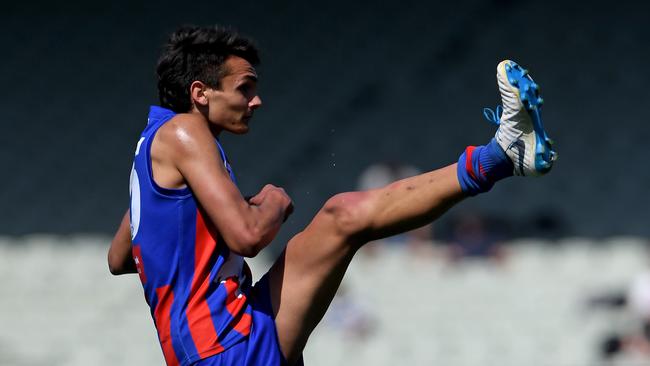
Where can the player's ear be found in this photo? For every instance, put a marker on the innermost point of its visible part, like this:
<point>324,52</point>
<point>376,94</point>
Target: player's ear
<point>197,92</point>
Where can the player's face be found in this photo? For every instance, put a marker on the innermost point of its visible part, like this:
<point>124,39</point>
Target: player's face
<point>231,107</point>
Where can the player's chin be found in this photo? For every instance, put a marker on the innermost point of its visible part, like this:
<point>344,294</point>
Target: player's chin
<point>241,129</point>
<point>244,124</point>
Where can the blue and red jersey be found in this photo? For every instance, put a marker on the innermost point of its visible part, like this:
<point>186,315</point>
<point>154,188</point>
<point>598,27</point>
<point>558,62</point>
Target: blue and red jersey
<point>195,286</point>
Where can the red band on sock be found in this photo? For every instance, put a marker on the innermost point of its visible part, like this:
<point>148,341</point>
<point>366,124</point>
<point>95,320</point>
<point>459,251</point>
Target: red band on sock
<point>468,161</point>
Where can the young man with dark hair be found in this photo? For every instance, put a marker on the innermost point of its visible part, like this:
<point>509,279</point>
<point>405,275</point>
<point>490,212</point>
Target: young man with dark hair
<point>188,225</point>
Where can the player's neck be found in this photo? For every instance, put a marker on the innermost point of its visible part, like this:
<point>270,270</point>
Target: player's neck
<point>215,129</point>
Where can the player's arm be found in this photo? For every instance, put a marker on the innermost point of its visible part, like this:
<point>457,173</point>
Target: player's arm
<point>246,226</point>
<point>120,260</point>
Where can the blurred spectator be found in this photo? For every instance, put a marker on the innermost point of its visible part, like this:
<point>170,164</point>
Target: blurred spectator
<point>638,295</point>
<point>471,239</point>
<point>631,343</point>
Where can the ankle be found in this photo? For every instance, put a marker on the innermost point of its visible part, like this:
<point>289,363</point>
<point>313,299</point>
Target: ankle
<point>479,167</point>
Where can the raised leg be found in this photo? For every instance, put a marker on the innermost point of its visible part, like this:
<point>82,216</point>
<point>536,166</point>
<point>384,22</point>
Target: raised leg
<point>307,275</point>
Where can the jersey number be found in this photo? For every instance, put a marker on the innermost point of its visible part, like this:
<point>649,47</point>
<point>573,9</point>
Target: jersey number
<point>134,191</point>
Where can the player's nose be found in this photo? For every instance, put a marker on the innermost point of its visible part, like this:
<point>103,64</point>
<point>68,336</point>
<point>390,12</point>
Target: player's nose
<point>255,103</point>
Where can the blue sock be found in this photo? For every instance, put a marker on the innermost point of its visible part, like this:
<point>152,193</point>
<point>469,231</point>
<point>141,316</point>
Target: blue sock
<point>479,167</point>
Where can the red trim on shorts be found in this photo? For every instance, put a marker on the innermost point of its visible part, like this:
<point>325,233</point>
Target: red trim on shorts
<point>163,323</point>
<point>243,325</point>
<point>235,304</point>
<point>199,316</point>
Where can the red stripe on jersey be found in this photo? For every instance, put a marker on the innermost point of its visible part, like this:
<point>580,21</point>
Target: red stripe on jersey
<point>235,305</point>
<point>137,258</point>
<point>199,316</point>
<point>163,323</point>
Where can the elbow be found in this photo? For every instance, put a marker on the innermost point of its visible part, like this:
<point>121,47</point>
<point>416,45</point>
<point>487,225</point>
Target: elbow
<point>115,270</point>
<point>115,266</point>
<point>112,266</point>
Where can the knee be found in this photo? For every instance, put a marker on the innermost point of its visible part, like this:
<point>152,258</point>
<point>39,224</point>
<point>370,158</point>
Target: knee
<point>349,213</point>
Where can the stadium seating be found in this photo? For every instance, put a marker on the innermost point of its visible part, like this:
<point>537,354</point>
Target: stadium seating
<point>61,307</point>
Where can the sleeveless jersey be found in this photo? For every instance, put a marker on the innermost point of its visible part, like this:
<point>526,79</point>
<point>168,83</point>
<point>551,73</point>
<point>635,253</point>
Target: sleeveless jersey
<point>195,286</point>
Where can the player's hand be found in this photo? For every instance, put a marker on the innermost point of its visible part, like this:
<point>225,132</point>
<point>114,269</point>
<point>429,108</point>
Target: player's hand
<point>288,211</point>
<point>274,195</point>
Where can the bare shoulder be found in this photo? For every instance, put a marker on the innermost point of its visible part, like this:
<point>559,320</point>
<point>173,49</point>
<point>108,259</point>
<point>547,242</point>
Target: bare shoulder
<point>185,134</point>
<point>183,146</point>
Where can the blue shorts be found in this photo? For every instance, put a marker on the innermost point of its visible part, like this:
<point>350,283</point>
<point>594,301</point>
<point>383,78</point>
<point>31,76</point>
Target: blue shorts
<point>261,348</point>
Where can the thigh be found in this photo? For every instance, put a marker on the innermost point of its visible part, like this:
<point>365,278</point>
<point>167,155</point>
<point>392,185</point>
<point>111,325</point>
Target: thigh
<point>304,280</point>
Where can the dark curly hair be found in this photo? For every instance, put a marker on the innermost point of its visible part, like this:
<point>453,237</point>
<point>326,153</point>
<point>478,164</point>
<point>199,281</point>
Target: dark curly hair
<point>197,53</point>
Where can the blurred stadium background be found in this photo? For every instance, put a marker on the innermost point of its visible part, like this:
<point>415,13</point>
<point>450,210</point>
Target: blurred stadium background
<point>346,85</point>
